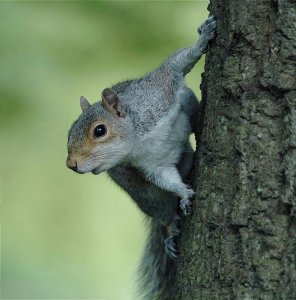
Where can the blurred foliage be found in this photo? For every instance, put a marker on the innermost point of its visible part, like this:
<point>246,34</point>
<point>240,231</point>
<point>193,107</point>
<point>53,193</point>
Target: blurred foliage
<point>65,235</point>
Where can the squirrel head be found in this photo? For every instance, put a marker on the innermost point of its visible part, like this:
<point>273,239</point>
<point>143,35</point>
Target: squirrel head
<point>101,137</point>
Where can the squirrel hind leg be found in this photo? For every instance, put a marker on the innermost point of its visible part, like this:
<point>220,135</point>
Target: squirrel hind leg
<point>169,243</point>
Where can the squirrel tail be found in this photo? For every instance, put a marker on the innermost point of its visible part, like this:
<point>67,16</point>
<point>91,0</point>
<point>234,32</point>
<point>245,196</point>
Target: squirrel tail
<point>157,269</point>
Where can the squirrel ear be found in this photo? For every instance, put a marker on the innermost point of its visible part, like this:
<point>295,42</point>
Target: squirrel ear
<point>111,102</point>
<point>84,104</point>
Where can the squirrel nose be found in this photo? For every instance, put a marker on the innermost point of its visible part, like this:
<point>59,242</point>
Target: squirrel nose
<point>72,164</point>
<point>74,168</point>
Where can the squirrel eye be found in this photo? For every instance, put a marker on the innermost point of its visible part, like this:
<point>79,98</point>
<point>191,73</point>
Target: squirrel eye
<point>100,130</point>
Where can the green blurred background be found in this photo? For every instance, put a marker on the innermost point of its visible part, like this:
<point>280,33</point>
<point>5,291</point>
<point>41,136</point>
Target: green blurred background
<point>64,235</point>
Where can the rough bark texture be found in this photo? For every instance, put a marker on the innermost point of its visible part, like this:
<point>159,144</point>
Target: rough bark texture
<point>240,242</point>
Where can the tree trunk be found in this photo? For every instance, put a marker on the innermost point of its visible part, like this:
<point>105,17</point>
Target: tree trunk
<point>240,242</point>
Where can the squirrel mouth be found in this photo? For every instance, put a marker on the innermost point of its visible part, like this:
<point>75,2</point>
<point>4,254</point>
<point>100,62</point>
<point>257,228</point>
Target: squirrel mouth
<point>97,170</point>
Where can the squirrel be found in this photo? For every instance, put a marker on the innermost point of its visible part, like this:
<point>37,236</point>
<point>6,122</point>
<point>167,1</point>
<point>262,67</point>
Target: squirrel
<point>139,133</point>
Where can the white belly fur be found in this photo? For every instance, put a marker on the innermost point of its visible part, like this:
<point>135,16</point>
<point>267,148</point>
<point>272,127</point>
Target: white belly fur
<point>163,145</point>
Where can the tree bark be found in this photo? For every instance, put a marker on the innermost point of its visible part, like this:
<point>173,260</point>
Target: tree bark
<point>240,242</point>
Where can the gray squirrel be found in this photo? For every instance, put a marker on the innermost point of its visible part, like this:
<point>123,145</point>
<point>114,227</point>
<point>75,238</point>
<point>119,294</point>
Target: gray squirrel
<point>139,134</point>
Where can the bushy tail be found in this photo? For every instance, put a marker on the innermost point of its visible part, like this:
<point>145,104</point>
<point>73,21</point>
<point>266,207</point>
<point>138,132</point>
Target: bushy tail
<point>156,270</point>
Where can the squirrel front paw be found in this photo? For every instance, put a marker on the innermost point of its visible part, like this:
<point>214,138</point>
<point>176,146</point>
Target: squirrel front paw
<point>185,203</point>
<point>186,206</point>
<point>208,28</point>
<point>207,32</point>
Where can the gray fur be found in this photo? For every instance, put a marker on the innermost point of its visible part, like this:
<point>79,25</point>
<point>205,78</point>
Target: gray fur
<point>149,155</point>
<point>156,270</point>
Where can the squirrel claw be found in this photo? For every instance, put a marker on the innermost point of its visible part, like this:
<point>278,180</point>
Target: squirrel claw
<point>170,248</point>
<point>185,205</point>
<point>209,27</point>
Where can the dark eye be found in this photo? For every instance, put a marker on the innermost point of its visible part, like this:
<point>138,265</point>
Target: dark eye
<point>100,130</point>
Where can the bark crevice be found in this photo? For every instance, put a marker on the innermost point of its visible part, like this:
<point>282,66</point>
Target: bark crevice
<point>240,242</point>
